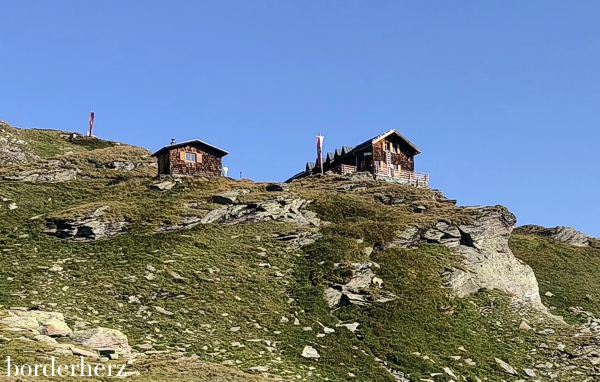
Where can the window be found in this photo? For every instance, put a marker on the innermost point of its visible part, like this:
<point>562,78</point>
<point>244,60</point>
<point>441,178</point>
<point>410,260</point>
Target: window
<point>396,167</point>
<point>377,163</point>
<point>190,157</point>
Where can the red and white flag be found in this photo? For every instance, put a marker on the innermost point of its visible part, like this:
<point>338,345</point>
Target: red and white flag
<point>91,123</point>
<point>320,151</point>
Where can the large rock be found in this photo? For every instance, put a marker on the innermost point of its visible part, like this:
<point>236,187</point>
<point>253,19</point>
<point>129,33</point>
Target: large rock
<point>21,322</point>
<point>163,186</point>
<point>47,323</point>
<point>89,227</point>
<point>310,352</point>
<point>488,261</point>
<point>51,323</point>
<point>564,234</point>
<point>278,209</point>
<point>102,338</point>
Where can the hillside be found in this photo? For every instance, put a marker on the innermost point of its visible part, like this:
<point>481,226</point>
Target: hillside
<point>327,278</point>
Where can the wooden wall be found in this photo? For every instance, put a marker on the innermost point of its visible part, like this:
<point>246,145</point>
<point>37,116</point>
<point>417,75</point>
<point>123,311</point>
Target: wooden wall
<point>207,162</point>
<point>404,158</point>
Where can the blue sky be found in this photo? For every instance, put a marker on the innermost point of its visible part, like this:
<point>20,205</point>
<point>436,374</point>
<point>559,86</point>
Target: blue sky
<point>502,97</point>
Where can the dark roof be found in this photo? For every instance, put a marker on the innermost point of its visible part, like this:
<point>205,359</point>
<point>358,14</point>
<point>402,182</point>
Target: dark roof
<point>185,143</point>
<point>349,149</point>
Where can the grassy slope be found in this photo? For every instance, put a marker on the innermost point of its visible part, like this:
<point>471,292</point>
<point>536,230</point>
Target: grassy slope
<point>223,287</point>
<point>570,273</point>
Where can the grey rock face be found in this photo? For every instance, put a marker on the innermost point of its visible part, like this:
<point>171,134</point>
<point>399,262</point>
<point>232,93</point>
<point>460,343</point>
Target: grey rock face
<point>278,209</point>
<point>487,258</point>
<point>122,166</point>
<point>571,236</point>
<point>86,228</point>
<point>563,234</point>
<point>13,149</point>
<point>299,238</point>
<point>45,175</point>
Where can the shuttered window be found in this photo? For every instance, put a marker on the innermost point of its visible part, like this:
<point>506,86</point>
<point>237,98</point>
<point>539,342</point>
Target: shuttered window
<point>190,157</point>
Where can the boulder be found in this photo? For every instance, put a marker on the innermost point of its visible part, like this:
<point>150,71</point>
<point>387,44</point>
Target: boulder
<point>310,352</point>
<point>101,338</point>
<point>51,323</point>
<point>21,322</point>
<point>506,367</point>
<point>163,186</point>
<point>277,187</point>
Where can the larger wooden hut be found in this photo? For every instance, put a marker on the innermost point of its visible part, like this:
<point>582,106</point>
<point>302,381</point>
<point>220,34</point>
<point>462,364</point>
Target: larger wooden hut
<point>389,156</point>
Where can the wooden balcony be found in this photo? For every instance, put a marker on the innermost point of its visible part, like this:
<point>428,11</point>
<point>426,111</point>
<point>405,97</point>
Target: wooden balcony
<point>399,176</point>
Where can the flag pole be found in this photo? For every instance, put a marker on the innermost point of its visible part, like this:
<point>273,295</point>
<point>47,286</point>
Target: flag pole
<point>320,151</point>
<point>91,123</point>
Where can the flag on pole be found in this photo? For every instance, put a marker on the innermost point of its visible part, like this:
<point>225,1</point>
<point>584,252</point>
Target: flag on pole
<point>320,152</point>
<point>91,123</point>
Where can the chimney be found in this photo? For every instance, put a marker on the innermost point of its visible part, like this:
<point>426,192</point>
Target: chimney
<point>172,141</point>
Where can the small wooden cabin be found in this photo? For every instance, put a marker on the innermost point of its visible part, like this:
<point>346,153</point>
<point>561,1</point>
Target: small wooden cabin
<point>193,157</point>
<point>387,156</point>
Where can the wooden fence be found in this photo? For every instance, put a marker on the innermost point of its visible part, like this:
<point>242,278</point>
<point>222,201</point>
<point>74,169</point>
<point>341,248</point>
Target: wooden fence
<point>401,176</point>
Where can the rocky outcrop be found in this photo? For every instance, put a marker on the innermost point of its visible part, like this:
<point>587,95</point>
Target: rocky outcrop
<point>53,170</point>
<point>13,149</point>
<point>229,197</point>
<point>89,227</point>
<point>281,209</point>
<point>51,324</point>
<point>46,326</point>
<point>563,234</point>
<point>300,238</point>
<point>363,288</point>
<point>488,261</point>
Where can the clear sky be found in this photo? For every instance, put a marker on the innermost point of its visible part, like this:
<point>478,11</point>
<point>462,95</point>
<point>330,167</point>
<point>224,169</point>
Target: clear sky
<point>502,97</point>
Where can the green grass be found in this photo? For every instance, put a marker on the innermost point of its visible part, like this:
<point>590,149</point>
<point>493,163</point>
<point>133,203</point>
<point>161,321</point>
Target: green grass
<point>210,279</point>
<point>223,285</point>
<point>571,274</point>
